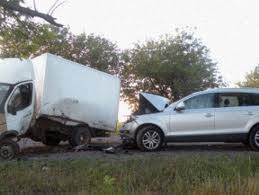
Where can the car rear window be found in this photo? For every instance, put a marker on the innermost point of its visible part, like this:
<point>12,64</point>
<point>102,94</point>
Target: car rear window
<point>234,99</point>
<point>255,99</point>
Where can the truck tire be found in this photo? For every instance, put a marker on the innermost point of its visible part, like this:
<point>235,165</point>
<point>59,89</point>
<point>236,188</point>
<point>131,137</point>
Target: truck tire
<point>51,141</point>
<point>254,138</point>
<point>8,149</point>
<point>80,136</point>
<point>149,138</point>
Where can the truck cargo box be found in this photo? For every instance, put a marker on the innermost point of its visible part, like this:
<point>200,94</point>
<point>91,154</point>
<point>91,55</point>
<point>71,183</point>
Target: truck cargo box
<point>74,93</point>
<point>13,70</point>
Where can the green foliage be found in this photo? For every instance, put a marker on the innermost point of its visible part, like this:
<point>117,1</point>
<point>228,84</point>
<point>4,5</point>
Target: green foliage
<point>92,50</point>
<point>188,174</point>
<point>172,66</point>
<point>251,79</point>
<point>96,51</point>
<point>22,41</point>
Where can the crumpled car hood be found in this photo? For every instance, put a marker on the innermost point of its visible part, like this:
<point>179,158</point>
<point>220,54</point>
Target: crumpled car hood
<point>150,103</point>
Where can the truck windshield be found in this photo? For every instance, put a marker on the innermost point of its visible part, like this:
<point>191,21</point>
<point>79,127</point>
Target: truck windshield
<point>4,88</point>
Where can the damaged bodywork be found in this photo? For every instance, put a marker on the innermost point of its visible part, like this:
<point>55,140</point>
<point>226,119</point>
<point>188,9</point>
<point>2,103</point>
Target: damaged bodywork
<point>13,123</point>
<point>151,108</point>
<point>150,103</point>
<point>50,99</point>
<point>91,97</point>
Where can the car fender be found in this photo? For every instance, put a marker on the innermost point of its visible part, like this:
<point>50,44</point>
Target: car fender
<point>252,122</point>
<point>152,120</point>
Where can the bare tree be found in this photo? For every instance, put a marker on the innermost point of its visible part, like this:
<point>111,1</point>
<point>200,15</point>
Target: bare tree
<point>15,6</point>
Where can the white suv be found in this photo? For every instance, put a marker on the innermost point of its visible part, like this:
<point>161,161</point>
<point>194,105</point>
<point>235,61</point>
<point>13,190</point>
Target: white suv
<point>215,115</point>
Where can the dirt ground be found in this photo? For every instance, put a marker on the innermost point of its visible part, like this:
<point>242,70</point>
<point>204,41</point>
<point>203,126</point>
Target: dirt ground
<point>36,151</point>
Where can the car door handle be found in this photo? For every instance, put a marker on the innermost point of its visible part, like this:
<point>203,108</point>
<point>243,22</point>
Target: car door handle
<point>250,113</point>
<point>208,115</point>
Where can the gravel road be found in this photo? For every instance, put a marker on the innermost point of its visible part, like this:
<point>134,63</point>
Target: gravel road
<point>36,151</point>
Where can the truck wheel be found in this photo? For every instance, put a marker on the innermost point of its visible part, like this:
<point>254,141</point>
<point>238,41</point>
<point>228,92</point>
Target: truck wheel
<point>149,138</point>
<point>8,149</point>
<point>254,138</point>
<point>51,141</point>
<point>80,136</point>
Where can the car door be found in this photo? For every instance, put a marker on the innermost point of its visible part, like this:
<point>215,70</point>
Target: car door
<point>19,108</point>
<point>196,118</point>
<point>233,112</point>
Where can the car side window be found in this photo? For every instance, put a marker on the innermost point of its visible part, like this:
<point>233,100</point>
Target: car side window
<point>21,98</point>
<point>255,99</point>
<point>234,100</point>
<point>200,102</point>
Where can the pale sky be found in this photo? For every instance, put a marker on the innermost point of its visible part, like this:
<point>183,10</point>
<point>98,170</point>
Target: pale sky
<point>229,28</point>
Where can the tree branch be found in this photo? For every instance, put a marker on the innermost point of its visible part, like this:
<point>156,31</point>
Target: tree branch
<point>155,87</point>
<point>34,5</point>
<point>29,12</point>
<point>54,9</point>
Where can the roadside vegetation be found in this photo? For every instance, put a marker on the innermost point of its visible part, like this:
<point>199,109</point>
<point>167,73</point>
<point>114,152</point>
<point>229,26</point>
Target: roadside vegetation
<point>172,65</point>
<point>161,175</point>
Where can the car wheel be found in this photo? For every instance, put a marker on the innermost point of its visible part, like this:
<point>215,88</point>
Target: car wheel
<point>254,138</point>
<point>8,149</point>
<point>80,136</point>
<point>51,141</point>
<point>149,138</point>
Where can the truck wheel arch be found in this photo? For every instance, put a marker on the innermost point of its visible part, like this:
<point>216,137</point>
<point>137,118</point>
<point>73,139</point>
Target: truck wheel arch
<point>86,126</point>
<point>9,134</point>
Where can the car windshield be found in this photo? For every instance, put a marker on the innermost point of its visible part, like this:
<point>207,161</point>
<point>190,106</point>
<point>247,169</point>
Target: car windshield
<point>4,88</point>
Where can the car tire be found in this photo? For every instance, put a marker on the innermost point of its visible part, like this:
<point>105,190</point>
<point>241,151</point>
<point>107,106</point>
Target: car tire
<point>8,149</point>
<point>51,141</point>
<point>149,138</point>
<point>80,136</point>
<point>254,138</point>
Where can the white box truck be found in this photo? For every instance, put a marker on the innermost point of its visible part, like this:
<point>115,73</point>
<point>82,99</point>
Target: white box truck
<point>51,99</point>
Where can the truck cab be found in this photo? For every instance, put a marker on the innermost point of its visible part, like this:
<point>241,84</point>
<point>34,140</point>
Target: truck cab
<point>16,104</point>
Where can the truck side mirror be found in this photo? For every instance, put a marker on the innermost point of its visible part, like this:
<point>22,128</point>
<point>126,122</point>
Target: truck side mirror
<point>11,110</point>
<point>180,107</point>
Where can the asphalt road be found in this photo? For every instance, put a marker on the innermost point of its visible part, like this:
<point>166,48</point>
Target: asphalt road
<point>36,151</point>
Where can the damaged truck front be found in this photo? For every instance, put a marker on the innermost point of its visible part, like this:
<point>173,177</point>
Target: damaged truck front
<point>51,99</point>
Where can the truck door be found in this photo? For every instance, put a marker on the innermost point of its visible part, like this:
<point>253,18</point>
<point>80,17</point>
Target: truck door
<point>19,108</point>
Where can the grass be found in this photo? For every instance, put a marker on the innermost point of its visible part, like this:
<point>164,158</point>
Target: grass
<point>161,175</point>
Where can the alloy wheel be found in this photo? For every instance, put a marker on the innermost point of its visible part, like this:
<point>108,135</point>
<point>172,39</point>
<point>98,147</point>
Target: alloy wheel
<point>257,138</point>
<point>151,140</point>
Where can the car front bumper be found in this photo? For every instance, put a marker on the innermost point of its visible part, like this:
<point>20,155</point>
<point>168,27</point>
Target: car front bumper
<point>127,132</point>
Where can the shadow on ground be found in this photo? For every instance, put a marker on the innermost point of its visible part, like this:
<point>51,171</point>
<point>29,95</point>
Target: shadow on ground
<point>95,151</point>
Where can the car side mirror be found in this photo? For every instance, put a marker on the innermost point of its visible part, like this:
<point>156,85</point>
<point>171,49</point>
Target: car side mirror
<point>180,107</point>
<point>11,109</point>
